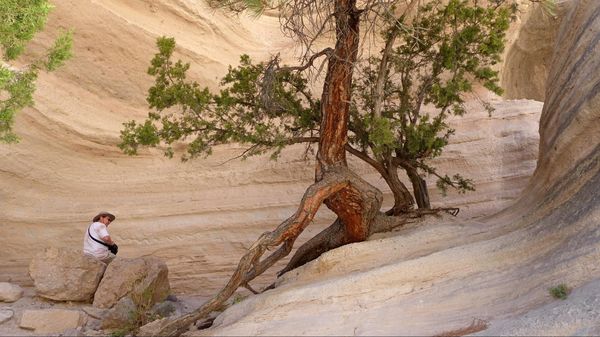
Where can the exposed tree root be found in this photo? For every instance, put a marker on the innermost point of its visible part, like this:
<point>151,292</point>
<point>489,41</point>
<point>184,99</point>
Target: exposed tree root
<point>335,181</point>
<point>333,236</point>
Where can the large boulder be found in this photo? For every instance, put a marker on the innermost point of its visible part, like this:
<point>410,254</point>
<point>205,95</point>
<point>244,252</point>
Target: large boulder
<point>66,275</point>
<point>143,279</point>
<point>50,321</point>
<point>10,292</point>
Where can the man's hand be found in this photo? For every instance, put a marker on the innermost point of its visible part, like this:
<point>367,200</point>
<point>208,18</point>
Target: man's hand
<point>114,248</point>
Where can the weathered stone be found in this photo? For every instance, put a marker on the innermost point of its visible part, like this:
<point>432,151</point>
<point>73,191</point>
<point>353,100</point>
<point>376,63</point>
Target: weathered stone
<point>164,309</point>
<point>120,315</point>
<point>66,275</point>
<point>73,332</point>
<point>153,328</point>
<point>6,315</point>
<point>51,320</point>
<point>93,332</point>
<point>92,324</point>
<point>95,312</point>
<point>10,292</point>
<point>144,278</point>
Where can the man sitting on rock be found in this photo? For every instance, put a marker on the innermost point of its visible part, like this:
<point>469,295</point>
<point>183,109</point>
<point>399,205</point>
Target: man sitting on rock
<point>97,242</point>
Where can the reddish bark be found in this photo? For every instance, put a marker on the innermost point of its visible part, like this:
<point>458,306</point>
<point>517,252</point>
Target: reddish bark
<point>337,89</point>
<point>354,201</point>
<point>348,204</point>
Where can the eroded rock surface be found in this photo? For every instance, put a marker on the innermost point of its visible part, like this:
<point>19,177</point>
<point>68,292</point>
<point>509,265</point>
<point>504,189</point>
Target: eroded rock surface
<point>51,321</point>
<point>144,278</point>
<point>443,275</point>
<point>120,315</point>
<point>5,315</point>
<point>211,209</point>
<point>62,274</point>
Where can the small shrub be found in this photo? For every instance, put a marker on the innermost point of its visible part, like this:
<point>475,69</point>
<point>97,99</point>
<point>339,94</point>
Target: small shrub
<point>139,317</point>
<point>561,291</point>
<point>119,333</point>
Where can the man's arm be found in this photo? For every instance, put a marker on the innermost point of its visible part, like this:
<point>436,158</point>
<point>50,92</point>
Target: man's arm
<point>108,240</point>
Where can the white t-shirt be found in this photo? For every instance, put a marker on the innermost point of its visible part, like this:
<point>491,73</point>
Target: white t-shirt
<point>90,247</point>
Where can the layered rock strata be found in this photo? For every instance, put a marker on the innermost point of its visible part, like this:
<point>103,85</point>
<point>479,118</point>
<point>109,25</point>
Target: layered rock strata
<point>67,166</point>
<point>442,276</point>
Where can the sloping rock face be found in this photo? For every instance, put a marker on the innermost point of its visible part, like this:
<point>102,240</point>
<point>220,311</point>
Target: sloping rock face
<point>527,63</point>
<point>442,275</point>
<point>570,122</point>
<point>62,274</point>
<point>145,278</point>
<point>575,316</point>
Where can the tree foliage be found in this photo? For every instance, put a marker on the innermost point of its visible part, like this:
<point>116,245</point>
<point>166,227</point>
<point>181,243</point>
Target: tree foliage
<point>20,20</point>
<point>431,60</point>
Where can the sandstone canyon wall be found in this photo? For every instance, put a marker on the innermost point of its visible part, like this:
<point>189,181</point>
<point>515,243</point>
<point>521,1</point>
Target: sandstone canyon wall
<point>444,275</point>
<point>198,216</point>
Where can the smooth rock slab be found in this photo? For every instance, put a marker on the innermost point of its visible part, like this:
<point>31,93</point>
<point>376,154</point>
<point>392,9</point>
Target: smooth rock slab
<point>65,274</point>
<point>51,320</point>
<point>10,292</point>
<point>6,315</point>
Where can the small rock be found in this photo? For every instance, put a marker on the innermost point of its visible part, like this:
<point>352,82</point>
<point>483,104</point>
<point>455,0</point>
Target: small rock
<point>93,324</point>
<point>163,309</point>
<point>120,315</point>
<point>73,332</point>
<point>51,320</point>
<point>5,315</point>
<point>92,332</point>
<point>95,312</point>
<point>10,292</point>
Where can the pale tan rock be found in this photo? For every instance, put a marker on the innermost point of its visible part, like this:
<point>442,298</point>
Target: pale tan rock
<point>201,216</point>
<point>145,278</point>
<point>154,327</point>
<point>528,59</point>
<point>120,315</point>
<point>5,315</point>
<point>94,312</point>
<point>64,274</point>
<point>185,212</point>
<point>10,292</point>
<point>438,277</point>
<point>51,320</point>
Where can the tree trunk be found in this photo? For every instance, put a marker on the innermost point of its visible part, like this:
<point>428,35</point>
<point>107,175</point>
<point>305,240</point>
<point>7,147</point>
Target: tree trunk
<point>355,202</point>
<point>353,205</point>
<point>419,187</point>
<point>403,200</point>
